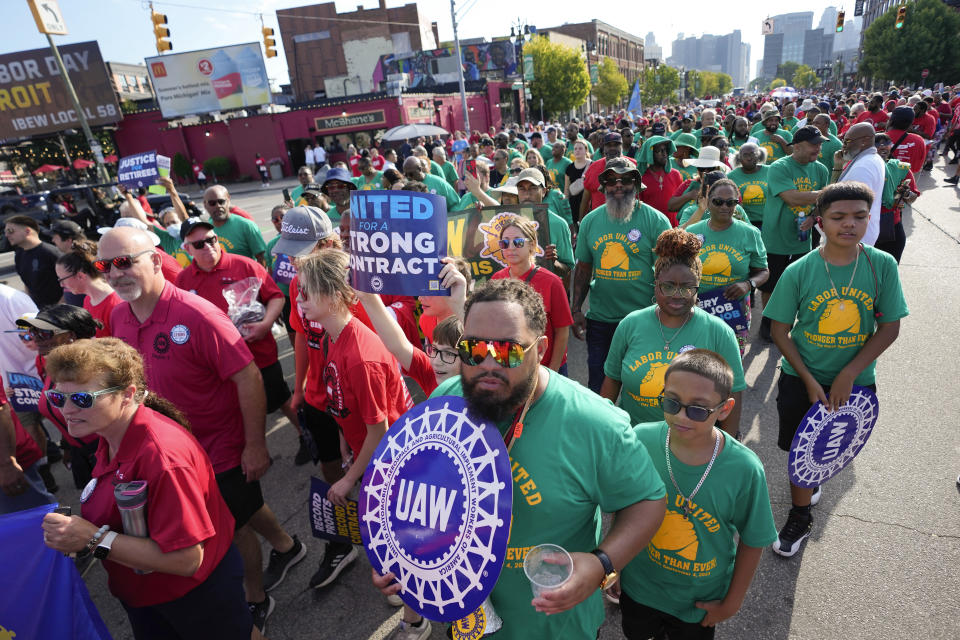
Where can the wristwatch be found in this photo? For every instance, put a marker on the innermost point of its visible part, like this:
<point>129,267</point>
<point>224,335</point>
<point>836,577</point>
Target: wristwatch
<point>753,287</point>
<point>610,574</point>
<point>103,549</point>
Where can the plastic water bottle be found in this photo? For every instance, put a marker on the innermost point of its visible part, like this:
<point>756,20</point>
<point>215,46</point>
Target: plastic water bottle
<point>802,234</point>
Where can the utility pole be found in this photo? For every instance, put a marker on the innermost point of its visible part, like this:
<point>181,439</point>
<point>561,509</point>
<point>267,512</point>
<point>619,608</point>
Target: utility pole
<point>463,91</point>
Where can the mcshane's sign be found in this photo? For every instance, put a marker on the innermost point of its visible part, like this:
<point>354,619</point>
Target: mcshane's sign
<point>350,121</point>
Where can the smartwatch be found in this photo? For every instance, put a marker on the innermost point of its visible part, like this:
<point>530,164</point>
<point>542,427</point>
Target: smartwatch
<point>610,574</point>
<point>102,550</point>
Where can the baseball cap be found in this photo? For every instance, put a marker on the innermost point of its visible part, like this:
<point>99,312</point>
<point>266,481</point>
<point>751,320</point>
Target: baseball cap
<point>659,128</point>
<point>531,175</point>
<point>613,136</point>
<point>313,187</point>
<point>302,228</point>
<point>66,228</point>
<point>136,224</point>
<point>39,320</point>
<point>808,133</point>
<point>193,223</point>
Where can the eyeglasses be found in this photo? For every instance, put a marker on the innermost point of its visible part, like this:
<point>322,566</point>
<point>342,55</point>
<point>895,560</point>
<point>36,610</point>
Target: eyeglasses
<point>445,356</point>
<point>120,262</point>
<point>672,407</point>
<point>515,170</point>
<point>506,353</point>
<point>625,181</point>
<point>198,244</point>
<point>682,290</point>
<point>60,280</point>
<point>213,203</point>
<point>80,399</point>
<point>730,202</point>
<point>518,243</point>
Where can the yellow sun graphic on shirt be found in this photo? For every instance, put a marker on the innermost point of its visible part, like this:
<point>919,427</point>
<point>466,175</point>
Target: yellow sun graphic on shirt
<point>676,534</point>
<point>614,256</point>
<point>841,315</point>
<point>717,263</point>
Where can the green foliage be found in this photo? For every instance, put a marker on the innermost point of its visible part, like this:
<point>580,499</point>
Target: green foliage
<point>659,84</point>
<point>926,41</point>
<point>561,78</point>
<point>777,83</point>
<point>805,77</point>
<point>724,83</point>
<point>128,106</point>
<point>217,168</point>
<point>755,85</point>
<point>708,83</point>
<point>787,69</point>
<point>181,167</point>
<point>612,85</point>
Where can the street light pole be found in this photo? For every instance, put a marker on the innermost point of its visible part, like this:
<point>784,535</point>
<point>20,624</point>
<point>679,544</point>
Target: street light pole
<point>463,91</point>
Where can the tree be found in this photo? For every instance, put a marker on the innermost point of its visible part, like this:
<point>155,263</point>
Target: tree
<point>926,41</point>
<point>777,82</point>
<point>561,78</point>
<point>805,77</point>
<point>181,166</point>
<point>755,85</point>
<point>612,85</point>
<point>659,84</point>
<point>695,83</point>
<point>724,83</point>
<point>787,69</point>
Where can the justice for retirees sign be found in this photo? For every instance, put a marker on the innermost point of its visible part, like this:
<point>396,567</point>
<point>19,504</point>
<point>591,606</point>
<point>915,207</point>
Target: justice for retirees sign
<point>34,98</point>
<point>142,170</point>
<point>396,241</point>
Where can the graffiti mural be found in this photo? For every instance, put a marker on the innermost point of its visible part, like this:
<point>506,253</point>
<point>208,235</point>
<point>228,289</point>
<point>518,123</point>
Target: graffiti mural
<point>437,66</point>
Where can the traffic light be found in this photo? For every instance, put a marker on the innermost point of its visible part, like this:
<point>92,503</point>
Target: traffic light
<point>840,22</point>
<point>161,32</point>
<point>269,44</point>
<point>901,17</point>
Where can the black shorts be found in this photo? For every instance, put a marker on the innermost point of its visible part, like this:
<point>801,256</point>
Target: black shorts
<point>324,430</point>
<point>275,386</point>
<point>243,498</point>
<point>777,263</point>
<point>285,315</point>
<point>640,622</point>
<point>792,404</point>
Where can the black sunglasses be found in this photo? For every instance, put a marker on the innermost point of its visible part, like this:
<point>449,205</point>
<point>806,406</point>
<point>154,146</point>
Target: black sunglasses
<point>625,181</point>
<point>518,243</point>
<point>730,202</point>
<point>198,244</point>
<point>672,406</point>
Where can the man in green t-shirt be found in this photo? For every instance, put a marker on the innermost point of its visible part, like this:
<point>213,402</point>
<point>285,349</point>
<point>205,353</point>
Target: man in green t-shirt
<point>305,176</point>
<point>836,310</point>
<point>369,179</point>
<point>573,134</point>
<point>831,145</point>
<point>449,171</point>
<point>413,170</point>
<point>776,141</point>
<point>337,187</point>
<point>546,151</point>
<point>557,165</point>
<point>614,253</point>
<point>686,126</point>
<point>575,458</point>
<point>531,189</point>
<point>237,234</point>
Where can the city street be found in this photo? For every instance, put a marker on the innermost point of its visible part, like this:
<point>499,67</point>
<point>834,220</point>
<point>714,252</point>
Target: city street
<point>882,560</point>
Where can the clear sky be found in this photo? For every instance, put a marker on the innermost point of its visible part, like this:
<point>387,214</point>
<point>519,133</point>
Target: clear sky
<point>125,33</point>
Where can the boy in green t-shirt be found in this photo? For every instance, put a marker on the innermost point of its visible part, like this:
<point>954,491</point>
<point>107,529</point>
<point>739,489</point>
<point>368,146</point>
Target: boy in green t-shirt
<point>693,575</point>
<point>833,313</point>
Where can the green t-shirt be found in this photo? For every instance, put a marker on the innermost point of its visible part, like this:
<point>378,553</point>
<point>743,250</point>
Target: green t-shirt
<point>297,195</point>
<point>774,151</point>
<point>439,186</point>
<point>780,220</point>
<point>450,174</point>
<point>896,171</point>
<point>622,257</point>
<point>577,457</point>
<point>560,236</point>
<point>728,255</point>
<point>559,204</point>
<point>172,245</point>
<point>375,183</point>
<point>468,200</point>
<point>827,149</point>
<point>272,263</point>
<point>788,123</point>
<point>241,236</point>
<point>831,128</point>
<point>557,170</point>
<point>692,560</point>
<point>546,151</point>
<point>830,327</point>
<point>435,169</point>
<point>753,190</point>
<point>333,214</point>
<point>638,360</point>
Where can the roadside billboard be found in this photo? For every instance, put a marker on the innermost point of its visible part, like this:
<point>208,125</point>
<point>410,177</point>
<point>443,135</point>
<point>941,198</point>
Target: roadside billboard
<point>208,80</point>
<point>34,99</point>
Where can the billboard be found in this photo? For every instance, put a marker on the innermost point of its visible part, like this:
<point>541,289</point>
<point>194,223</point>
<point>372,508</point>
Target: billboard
<point>209,80</point>
<point>34,99</point>
<point>424,69</point>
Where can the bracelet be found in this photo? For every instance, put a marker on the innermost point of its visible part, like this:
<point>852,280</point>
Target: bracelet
<point>95,540</point>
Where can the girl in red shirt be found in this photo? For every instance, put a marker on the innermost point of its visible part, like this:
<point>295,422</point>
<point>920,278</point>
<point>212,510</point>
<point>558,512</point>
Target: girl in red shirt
<point>77,275</point>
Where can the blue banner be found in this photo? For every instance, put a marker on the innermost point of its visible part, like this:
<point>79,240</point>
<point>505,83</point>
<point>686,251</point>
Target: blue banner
<point>283,269</point>
<point>435,507</point>
<point>43,596</point>
<point>142,170</point>
<point>635,108</point>
<point>396,241</point>
<point>733,312</point>
<point>331,521</point>
<point>25,396</point>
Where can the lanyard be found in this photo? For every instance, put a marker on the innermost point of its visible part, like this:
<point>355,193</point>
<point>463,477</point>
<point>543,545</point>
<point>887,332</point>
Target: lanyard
<point>515,430</point>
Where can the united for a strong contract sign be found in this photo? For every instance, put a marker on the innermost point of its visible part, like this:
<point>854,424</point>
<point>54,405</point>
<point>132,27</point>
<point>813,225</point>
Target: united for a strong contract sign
<point>435,507</point>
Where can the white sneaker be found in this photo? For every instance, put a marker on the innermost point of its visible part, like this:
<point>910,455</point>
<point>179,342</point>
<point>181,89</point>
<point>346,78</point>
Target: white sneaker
<point>815,498</point>
<point>394,600</point>
<point>407,631</point>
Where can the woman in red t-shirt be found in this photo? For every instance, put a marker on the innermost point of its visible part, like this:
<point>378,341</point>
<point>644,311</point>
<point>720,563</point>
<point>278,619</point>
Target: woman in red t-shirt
<point>181,577</point>
<point>518,244</point>
<point>77,275</point>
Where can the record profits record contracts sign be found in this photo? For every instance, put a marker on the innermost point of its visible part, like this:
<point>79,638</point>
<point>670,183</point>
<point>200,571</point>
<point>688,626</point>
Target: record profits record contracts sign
<point>826,442</point>
<point>435,507</point>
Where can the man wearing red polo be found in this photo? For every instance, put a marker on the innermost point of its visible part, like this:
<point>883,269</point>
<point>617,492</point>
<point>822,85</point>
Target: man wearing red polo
<point>907,147</point>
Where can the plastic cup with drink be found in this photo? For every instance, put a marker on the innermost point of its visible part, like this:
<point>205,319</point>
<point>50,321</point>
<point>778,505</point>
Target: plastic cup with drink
<point>548,567</point>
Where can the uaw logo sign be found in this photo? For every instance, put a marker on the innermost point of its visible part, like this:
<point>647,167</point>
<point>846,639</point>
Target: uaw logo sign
<point>826,442</point>
<point>435,508</point>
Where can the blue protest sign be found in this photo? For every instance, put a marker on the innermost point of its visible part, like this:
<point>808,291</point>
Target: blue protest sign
<point>283,269</point>
<point>396,241</point>
<point>142,170</point>
<point>826,442</point>
<point>733,312</point>
<point>43,594</point>
<point>25,390</point>
<point>331,521</point>
<point>435,507</point>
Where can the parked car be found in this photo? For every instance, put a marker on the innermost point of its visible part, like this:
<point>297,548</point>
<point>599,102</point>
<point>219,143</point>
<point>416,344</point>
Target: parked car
<point>12,201</point>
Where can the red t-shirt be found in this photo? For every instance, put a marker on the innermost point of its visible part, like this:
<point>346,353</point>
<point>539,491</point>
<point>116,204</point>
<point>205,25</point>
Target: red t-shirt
<point>591,181</point>
<point>26,451</point>
<point>550,287</point>
<point>261,165</point>
<point>927,123</point>
<point>878,118</point>
<point>363,383</point>
<point>377,163</point>
<point>660,188</point>
<point>145,204</point>
<point>190,350</point>
<point>240,212</point>
<point>209,285</point>
<point>422,371</point>
<point>102,311</point>
<point>184,505</point>
<point>354,163</point>
<point>912,150</point>
<point>169,266</point>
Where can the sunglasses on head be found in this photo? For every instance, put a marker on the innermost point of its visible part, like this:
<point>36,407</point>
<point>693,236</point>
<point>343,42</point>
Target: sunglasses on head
<point>213,203</point>
<point>518,243</point>
<point>120,262</point>
<point>730,202</point>
<point>672,407</point>
<point>506,353</point>
<point>448,357</point>
<point>670,289</point>
<point>198,244</point>
<point>80,399</point>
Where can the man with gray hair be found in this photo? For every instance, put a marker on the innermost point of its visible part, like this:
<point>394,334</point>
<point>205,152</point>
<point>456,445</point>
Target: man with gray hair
<point>446,167</point>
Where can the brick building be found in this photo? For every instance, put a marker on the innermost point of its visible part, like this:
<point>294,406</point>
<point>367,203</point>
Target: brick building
<point>623,48</point>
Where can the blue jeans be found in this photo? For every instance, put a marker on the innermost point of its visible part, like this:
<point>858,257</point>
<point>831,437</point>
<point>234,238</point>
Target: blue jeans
<point>35,495</point>
<point>599,337</point>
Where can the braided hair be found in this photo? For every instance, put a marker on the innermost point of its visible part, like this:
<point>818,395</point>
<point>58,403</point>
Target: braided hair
<point>676,246</point>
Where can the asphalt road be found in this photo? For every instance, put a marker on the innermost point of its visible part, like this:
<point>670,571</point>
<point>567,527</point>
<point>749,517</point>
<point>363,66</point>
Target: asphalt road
<point>884,555</point>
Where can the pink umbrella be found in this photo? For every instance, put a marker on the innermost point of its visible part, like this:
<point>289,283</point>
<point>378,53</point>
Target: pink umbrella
<point>80,163</point>
<point>47,168</point>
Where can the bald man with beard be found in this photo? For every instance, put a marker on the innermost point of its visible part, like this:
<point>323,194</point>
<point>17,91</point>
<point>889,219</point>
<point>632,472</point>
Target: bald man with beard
<point>863,165</point>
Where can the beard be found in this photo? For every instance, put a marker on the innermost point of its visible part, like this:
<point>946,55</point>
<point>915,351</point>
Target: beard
<point>771,128</point>
<point>493,406</point>
<point>128,290</point>
<point>620,208</point>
